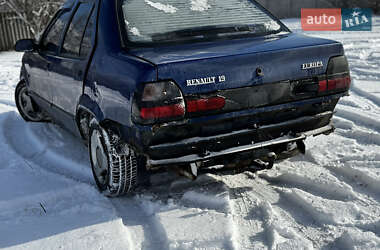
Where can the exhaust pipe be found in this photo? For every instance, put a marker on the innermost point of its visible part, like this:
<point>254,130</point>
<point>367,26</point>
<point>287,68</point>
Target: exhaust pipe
<point>264,165</point>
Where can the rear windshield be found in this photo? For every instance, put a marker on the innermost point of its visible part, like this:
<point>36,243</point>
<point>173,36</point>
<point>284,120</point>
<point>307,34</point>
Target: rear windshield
<point>160,21</point>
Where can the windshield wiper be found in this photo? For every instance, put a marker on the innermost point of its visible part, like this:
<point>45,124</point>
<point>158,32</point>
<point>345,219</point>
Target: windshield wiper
<point>213,31</point>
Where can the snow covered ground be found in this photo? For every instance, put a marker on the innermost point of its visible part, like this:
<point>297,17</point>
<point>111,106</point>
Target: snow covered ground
<point>327,199</point>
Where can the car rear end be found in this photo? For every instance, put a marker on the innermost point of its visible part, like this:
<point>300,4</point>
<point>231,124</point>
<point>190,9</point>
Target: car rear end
<point>228,89</point>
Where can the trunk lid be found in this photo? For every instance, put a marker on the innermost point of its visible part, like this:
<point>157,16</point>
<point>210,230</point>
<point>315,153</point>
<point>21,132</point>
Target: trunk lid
<point>215,66</point>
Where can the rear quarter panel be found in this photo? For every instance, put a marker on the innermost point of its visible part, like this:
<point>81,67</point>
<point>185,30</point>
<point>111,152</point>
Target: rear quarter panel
<point>113,75</point>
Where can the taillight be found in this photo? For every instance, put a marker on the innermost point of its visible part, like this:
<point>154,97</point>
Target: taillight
<point>322,86</point>
<point>338,76</point>
<point>158,102</point>
<point>173,110</point>
<point>205,104</point>
<point>339,83</point>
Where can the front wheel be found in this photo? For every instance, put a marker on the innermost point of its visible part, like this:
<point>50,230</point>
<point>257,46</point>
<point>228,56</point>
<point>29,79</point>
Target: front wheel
<point>27,108</point>
<point>114,164</point>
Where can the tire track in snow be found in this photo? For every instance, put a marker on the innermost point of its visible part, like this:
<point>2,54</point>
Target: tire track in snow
<point>374,99</point>
<point>206,199</point>
<point>341,168</point>
<point>367,193</point>
<point>47,149</point>
<point>280,234</point>
<point>253,223</point>
<point>258,208</point>
<point>252,233</point>
<point>373,227</point>
<point>146,229</point>
<point>358,118</point>
<point>325,187</point>
<point>358,103</point>
<point>358,180</point>
<point>297,215</point>
<point>155,217</point>
<point>295,206</point>
<point>55,202</point>
<point>361,137</point>
<point>320,211</point>
<point>314,222</point>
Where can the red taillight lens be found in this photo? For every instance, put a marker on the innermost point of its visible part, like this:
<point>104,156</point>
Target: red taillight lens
<point>158,102</point>
<point>335,84</point>
<point>332,84</point>
<point>322,86</point>
<point>338,76</point>
<point>163,112</point>
<point>339,83</point>
<point>205,104</point>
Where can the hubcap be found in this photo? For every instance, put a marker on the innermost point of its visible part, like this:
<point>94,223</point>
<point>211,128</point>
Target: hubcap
<point>99,158</point>
<point>27,107</point>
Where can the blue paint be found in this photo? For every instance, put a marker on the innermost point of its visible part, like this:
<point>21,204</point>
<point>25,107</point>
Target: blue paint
<point>106,81</point>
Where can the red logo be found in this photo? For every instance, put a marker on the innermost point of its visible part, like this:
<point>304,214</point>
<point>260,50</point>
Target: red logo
<point>321,19</point>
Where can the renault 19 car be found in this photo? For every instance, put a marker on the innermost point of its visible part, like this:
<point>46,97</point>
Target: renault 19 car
<point>154,85</point>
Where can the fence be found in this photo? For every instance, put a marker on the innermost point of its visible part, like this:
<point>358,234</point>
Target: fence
<point>11,30</point>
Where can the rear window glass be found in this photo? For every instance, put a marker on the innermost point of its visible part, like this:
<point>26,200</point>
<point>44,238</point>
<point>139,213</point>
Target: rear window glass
<point>149,21</point>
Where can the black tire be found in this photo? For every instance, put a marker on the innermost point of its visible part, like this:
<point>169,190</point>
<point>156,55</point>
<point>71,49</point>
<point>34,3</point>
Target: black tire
<point>114,164</point>
<point>27,108</point>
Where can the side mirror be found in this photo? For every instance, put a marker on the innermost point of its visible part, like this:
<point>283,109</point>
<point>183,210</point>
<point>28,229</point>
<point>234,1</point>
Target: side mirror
<point>25,45</point>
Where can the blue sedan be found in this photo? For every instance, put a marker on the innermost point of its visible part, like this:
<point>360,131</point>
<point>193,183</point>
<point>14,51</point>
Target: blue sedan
<point>180,85</point>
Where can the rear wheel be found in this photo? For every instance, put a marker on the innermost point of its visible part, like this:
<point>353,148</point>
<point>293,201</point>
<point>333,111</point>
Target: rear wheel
<point>114,164</point>
<point>27,108</point>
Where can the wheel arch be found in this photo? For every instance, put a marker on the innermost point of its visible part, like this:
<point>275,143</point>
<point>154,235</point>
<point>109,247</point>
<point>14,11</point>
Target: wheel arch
<point>88,109</point>
<point>24,75</point>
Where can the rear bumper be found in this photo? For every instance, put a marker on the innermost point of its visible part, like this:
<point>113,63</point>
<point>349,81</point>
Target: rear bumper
<point>208,148</point>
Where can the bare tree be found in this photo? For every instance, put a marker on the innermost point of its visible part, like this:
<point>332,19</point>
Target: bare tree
<point>34,13</point>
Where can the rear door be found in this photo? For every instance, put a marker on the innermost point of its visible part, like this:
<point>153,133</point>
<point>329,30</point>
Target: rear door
<point>70,67</point>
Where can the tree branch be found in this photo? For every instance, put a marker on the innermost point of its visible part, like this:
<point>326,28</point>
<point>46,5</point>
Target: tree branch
<point>33,13</point>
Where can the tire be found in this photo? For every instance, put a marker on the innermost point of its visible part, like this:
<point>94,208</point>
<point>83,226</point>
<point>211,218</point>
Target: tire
<point>27,108</point>
<point>114,164</point>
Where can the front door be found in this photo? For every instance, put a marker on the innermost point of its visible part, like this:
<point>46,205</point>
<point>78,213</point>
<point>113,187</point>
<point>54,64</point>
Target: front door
<point>40,62</point>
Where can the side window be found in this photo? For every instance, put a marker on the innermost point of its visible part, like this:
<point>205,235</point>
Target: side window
<point>87,38</point>
<point>74,35</point>
<point>52,39</point>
